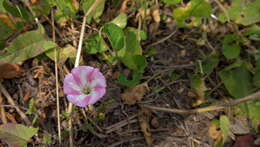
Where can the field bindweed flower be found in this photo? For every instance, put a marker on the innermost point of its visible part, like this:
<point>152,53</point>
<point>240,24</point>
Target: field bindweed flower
<point>84,85</point>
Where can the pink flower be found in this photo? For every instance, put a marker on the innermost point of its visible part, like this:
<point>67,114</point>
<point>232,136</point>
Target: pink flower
<point>84,85</point>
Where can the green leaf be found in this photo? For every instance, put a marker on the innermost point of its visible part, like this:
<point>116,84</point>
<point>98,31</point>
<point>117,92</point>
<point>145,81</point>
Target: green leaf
<point>171,2</point>
<point>254,29</point>
<point>96,44</point>
<point>122,79</point>
<point>120,20</point>
<point>16,10</point>
<point>210,62</point>
<point>238,81</point>
<point>195,8</point>
<point>16,134</point>
<point>243,12</point>
<point>140,34</point>
<point>254,112</point>
<point>115,35</point>
<point>136,62</point>
<point>6,30</point>
<point>224,127</point>
<point>256,78</point>
<point>27,45</point>
<point>62,53</point>
<point>42,8</point>
<point>2,9</point>
<point>65,10</point>
<point>97,12</point>
<point>231,48</point>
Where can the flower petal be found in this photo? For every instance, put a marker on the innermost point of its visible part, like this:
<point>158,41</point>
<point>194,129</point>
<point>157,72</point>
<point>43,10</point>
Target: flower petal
<point>98,80</point>
<point>70,82</point>
<point>69,90</point>
<point>97,93</point>
<point>82,72</point>
<point>79,100</point>
<point>80,78</point>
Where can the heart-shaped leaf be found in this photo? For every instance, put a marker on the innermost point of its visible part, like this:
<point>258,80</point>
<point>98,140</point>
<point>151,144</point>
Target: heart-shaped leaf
<point>27,45</point>
<point>16,135</point>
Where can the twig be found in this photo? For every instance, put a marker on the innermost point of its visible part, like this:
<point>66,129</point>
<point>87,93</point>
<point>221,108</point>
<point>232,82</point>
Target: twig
<point>11,101</point>
<point>161,40</point>
<point>3,117</point>
<point>82,32</point>
<point>56,77</point>
<point>209,108</point>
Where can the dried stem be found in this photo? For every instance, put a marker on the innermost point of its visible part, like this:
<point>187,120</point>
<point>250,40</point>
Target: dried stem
<point>82,32</point>
<point>3,117</point>
<point>209,108</point>
<point>56,77</point>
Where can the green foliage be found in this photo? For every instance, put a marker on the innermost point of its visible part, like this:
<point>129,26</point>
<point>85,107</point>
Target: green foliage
<point>224,127</point>
<point>256,78</point>
<point>27,45</point>
<point>232,80</point>
<point>16,134</point>
<point>115,35</point>
<point>42,8</point>
<point>122,79</point>
<point>87,4</point>
<point>210,62</point>
<point>16,11</point>
<point>242,12</point>
<point>6,30</point>
<point>195,10</point>
<point>231,47</point>
<point>95,44</point>
<point>62,53</point>
<point>171,2</point>
<point>120,20</point>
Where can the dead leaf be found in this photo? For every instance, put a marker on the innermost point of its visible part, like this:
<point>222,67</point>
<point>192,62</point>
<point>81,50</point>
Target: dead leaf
<point>10,117</point>
<point>144,117</point>
<point>156,14</point>
<point>134,94</point>
<point>11,70</point>
<point>124,6</point>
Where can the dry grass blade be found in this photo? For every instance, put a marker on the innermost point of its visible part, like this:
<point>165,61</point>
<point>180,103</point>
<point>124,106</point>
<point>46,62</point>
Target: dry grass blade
<point>56,78</point>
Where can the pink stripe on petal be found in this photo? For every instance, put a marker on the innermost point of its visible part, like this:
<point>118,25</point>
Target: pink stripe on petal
<point>85,101</point>
<point>77,100</point>
<point>93,99</point>
<point>69,81</point>
<point>100,90</point>
<point>76,79</point>
<point>82,72</point>
<point>98,81</point>
<point>91,75</point>
<point>69,90</point>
